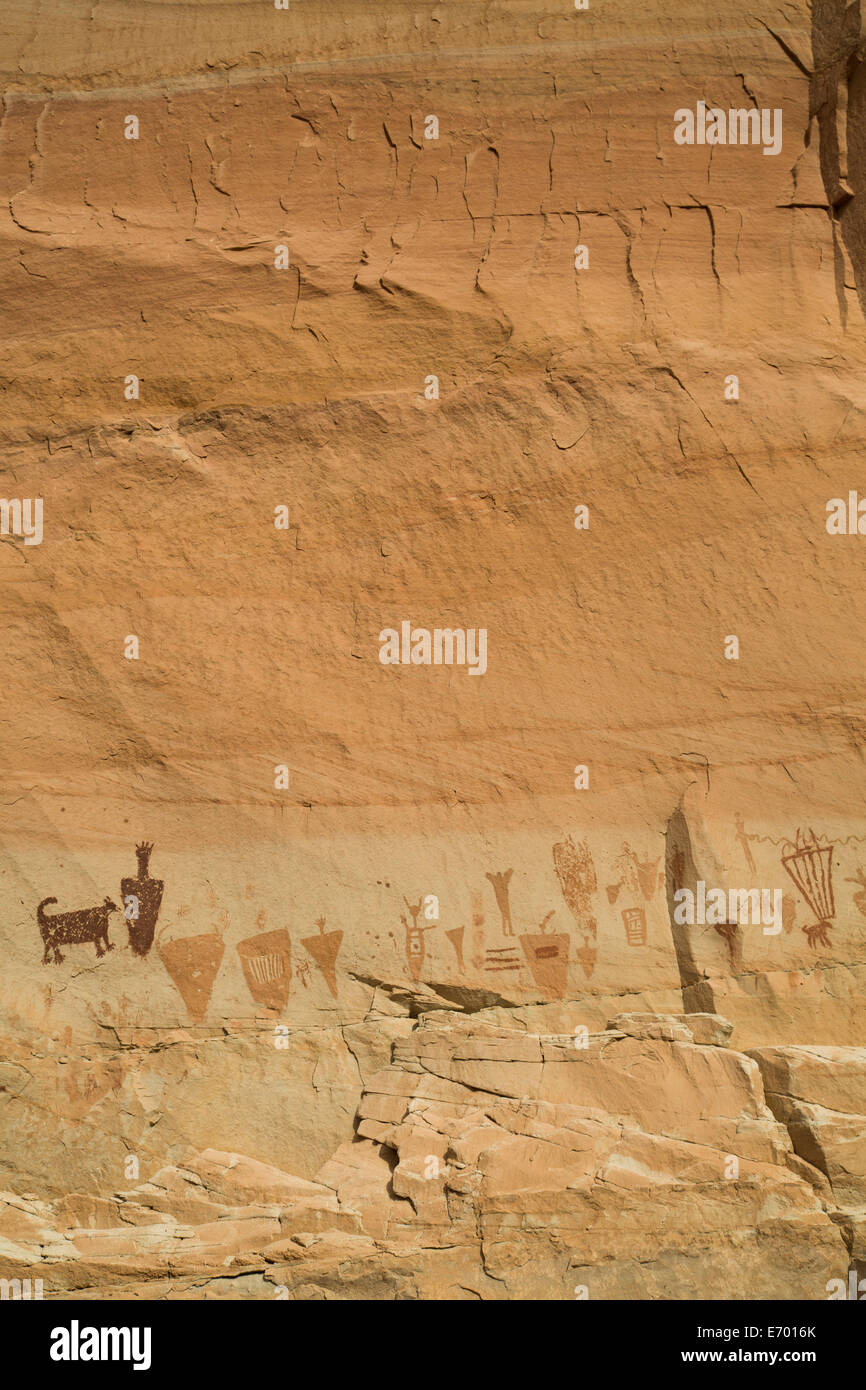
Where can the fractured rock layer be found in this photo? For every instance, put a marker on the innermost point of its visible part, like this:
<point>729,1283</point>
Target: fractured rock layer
<point>374,980</point>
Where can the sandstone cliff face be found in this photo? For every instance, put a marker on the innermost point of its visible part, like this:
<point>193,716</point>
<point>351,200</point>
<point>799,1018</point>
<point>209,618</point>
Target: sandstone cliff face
<point>489,1162</point>
<point>328,320</point>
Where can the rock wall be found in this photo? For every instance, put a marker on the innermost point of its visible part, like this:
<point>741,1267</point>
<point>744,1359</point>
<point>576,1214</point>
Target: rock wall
<point>400,979</point>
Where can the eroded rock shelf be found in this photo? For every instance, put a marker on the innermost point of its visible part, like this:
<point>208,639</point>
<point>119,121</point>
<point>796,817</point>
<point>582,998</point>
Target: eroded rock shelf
<point>348,952</point>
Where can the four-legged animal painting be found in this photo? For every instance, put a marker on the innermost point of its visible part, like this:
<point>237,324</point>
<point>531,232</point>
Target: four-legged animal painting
<point>74,928</point>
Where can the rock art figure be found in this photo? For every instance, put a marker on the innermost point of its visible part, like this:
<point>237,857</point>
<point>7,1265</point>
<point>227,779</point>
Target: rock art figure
<point>639,875</point>
<point>729,932</point>
<point>477,936</point>
<point>647,875</point>
<point>634,921</point>
<point>80,1088</point>
<point>587,955</point>
<point>859,898</point>
<point>500,883</point>
<point>625,867</point>
<point>744,840</point>
<point>502,958</point>
<point>74,928</point>
<point>810,865</point>
<point>548,958</point>
<point>324,949</point>
<point>415,949</point>
<point>141,898</point>
<point>577,879</point>
<point>267,965</point>
<point>455,936</point>
<point>193,963</point>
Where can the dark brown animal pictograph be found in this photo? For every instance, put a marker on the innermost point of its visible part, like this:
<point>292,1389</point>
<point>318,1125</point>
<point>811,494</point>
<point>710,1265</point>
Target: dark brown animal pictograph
<point>74,928</point>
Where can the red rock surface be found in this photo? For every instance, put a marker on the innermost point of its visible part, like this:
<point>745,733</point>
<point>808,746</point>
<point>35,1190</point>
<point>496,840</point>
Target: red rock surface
<point>288,780</point>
